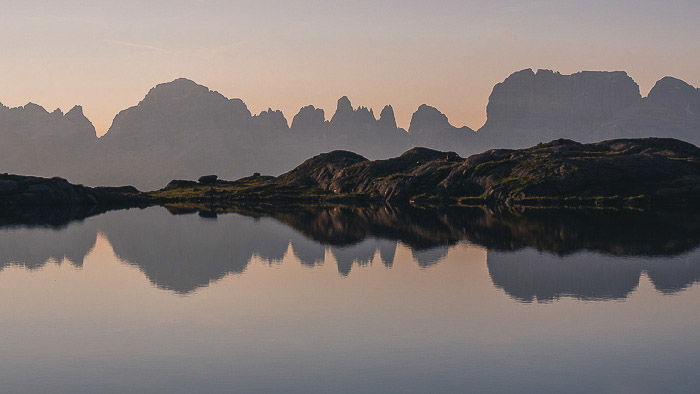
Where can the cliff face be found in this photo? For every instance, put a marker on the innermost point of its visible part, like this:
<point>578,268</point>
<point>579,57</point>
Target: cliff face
<point>532,107</point>
<point>548,99</point>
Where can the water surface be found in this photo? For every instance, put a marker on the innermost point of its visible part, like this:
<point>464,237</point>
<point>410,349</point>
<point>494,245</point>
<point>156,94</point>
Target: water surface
<point>349,301</point>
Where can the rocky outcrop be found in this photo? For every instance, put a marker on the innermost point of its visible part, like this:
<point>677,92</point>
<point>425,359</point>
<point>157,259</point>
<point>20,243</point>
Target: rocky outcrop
<point>639,173</point>
<point>19,192</point>
<point>396,179</point>
<point>321,169</point>
<point>655,168</point>
<point>563,172</point>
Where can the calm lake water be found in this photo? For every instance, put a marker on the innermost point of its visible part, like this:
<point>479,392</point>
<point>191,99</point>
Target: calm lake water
<point>375,300</point>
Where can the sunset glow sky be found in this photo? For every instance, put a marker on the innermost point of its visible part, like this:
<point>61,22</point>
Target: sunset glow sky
<point>105,55</point>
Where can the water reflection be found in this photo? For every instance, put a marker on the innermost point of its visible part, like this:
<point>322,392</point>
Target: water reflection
<point>537,256</point>
<point>528,275</point>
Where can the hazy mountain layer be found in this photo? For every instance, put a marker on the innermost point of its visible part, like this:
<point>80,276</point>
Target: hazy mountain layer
<point>531,107</point>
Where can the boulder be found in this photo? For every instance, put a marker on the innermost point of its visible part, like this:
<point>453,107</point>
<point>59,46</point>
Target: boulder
<point>208,179</point>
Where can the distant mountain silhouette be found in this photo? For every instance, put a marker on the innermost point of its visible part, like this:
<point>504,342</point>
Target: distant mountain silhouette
<point>183,130</point>
<point>35,141</point>
<point>431,128</point>
<point>531,107</point>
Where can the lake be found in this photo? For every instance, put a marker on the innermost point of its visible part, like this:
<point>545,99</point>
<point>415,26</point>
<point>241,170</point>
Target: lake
<point>377,299</point>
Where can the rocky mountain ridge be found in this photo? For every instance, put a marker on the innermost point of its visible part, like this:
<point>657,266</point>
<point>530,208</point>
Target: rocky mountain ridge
<point>182,129</point>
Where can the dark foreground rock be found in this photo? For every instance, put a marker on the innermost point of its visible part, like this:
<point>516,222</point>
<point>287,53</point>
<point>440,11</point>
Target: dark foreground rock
<point>638,173</point>
<point>17,191</point>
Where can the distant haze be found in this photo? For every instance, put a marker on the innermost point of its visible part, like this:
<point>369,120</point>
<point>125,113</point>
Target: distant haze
<point>287,54</point>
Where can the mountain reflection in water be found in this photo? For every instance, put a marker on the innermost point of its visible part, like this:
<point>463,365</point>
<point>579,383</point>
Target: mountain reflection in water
<point>538,256</point>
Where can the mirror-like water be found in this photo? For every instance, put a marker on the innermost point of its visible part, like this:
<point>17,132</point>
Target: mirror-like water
<point>335,300</point>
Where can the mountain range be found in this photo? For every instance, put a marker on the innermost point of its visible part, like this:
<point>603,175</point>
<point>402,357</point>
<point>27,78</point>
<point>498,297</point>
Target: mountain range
<point>183,130</point>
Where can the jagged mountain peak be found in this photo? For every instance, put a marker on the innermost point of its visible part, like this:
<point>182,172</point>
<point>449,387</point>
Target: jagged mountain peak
<point>308,118</point>
<point>345,115</point>
<point>343,110</point>
<point>84,126</point>
<point>271,119</point>
<point>428,118</point>
<point>365,114</point>
<point>177,109</point>
<point>667,85</point>
<point>180,83</point>
<point>32,107</point>
<point>676,96</point>
<point>387,119</point>
<point>182,128</point>
<point>344,104</point>
<point>180,90</point>
<point>75,112</point>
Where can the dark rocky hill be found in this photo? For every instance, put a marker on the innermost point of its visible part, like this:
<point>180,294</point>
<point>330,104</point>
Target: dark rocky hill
<point>17,193</point>
<point>626,172</point>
